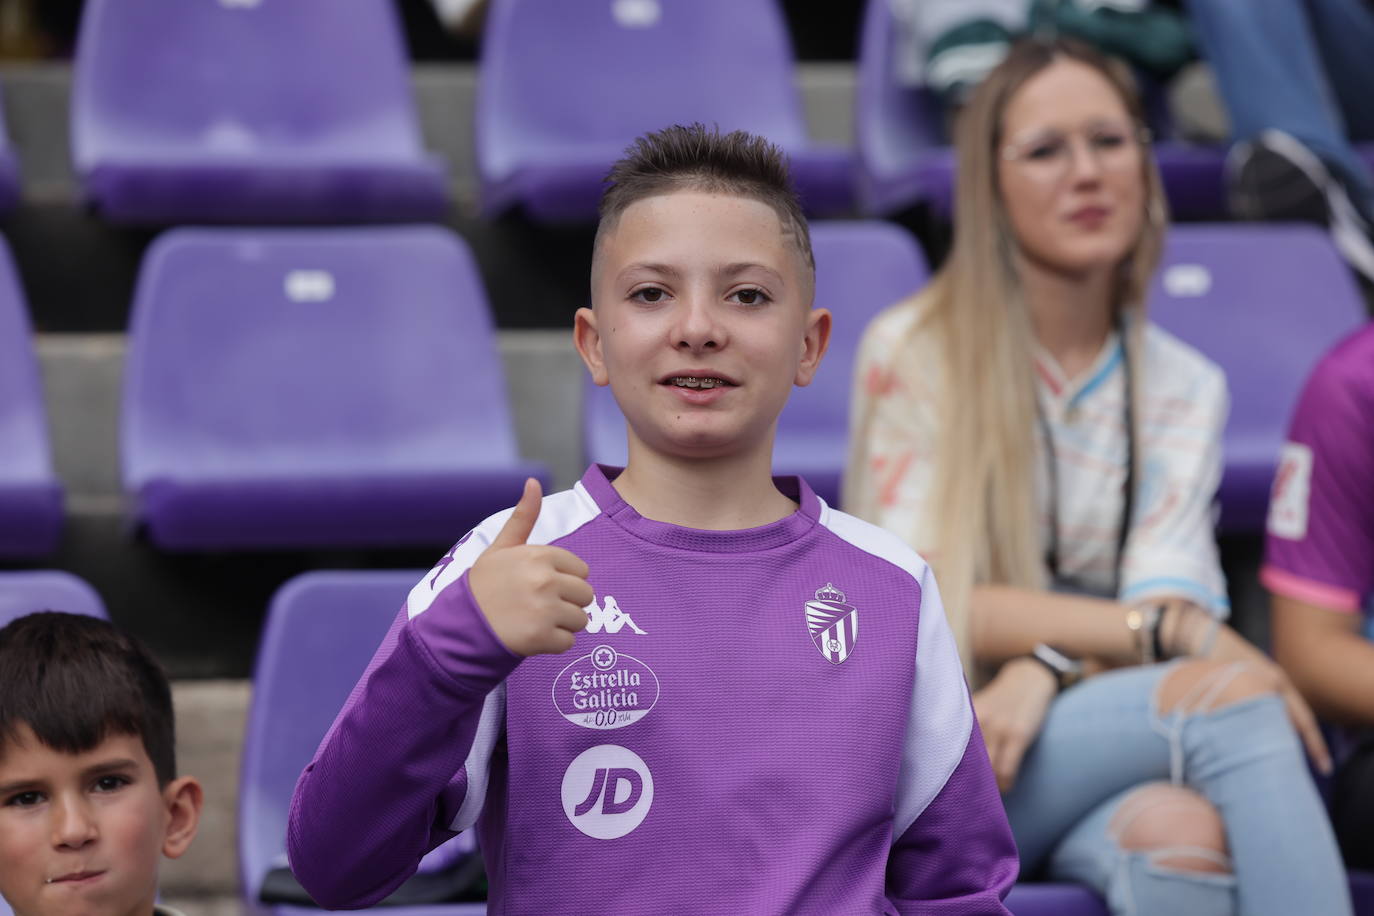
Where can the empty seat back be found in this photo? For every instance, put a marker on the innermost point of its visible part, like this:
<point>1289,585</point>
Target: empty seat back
<point>565,87</point>
<point>1264,302</point>
<point>333,380</point>
<point>210,110</point>
<point>322,629</point>
<point>30,494</point>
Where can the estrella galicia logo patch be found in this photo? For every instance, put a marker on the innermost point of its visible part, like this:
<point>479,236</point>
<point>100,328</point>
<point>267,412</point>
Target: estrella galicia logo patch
<point>607,791</point>
<point>605,689</point>
<point>834,625</point>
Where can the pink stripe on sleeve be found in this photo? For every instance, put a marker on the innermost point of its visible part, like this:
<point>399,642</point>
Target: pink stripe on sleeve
<point>1319,593</point>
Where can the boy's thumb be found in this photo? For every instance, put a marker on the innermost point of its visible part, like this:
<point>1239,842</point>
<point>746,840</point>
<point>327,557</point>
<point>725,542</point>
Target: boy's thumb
<point>521,522</point>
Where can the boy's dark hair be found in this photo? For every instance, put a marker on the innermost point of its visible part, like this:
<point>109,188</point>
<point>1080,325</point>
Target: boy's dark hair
<point>695,157</point>
<point>76,680</point>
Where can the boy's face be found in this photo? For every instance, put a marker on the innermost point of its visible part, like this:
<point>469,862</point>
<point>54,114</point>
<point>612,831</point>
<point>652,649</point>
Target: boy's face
<point>82,834</point>
<point>702,322</point>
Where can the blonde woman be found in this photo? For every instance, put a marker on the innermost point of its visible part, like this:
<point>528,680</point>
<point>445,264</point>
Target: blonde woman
<point>1055,455</point>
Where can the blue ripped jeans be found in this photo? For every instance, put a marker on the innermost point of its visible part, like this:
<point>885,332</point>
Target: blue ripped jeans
<point>1105,738</point>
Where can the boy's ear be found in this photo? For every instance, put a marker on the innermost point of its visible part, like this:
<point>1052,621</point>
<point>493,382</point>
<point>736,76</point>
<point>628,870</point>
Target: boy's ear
<point>183,799</point>
<point>587,338</point>
<point>815,340</point>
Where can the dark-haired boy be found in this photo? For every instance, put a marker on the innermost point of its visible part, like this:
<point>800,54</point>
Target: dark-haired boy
<point>89,799</point>
<point>723,736</point>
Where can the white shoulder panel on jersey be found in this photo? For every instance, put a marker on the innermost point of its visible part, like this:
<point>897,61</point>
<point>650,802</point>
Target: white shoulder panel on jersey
<point>478,764</point>
<point>560,515</point>
<point>941,715</point>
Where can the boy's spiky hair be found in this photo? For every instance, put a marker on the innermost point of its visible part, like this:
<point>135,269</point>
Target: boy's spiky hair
<point>695,157</point>
<point>76,680</point>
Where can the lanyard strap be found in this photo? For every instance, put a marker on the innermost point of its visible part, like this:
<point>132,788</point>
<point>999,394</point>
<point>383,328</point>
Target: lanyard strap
<point>1127,487</point>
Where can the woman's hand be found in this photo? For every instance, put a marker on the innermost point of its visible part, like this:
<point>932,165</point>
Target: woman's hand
<point>1189,635</point>
<point>1011,708</point>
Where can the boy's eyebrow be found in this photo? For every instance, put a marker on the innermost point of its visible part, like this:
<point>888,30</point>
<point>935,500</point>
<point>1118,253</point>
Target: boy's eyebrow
<point>648,267</point>
<point>110,766</point>
<point>18,785</point>
<point>730,270</point>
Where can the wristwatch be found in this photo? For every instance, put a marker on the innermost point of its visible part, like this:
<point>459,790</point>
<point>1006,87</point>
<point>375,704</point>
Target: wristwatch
<point>1144,626</point>
<point>1067,671</point>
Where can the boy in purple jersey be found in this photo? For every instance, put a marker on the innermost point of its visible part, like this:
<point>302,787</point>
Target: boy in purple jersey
<point>1319,566</point>
<point>684,686</point>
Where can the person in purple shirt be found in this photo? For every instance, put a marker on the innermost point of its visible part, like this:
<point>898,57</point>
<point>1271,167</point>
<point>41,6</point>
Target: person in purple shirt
<point>1319,568</point>
<point>684,686</point>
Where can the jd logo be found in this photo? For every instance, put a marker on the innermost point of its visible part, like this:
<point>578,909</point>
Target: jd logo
<point>609,617</point>
<point>607,791</point>
<point>605,788</point>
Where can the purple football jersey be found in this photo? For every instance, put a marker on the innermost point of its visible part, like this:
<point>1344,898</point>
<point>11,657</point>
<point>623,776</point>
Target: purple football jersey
<point>1320,546</point>
<point>771,720</point>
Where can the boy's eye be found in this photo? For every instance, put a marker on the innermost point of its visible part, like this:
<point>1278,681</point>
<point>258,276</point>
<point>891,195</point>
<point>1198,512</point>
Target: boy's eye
<point>111,783</point>
<point>649,294</point>
<point>1108,140</point>
<point>24,799</point>
<point>750,296</point>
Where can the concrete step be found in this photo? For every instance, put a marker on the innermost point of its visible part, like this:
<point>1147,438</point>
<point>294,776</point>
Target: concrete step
<point>210,721</point>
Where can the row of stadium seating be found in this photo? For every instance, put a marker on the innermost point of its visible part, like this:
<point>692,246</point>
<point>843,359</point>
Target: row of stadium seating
<point>243,111</point>
<point>321,630</point>
<point>342,387</point>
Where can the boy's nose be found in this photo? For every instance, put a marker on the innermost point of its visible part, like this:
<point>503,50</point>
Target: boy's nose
<point>73,824</point>
<point>697,327</point>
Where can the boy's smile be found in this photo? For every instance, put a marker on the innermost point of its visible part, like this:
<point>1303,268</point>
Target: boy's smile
<point>82,833</point>
<point>702,323</point>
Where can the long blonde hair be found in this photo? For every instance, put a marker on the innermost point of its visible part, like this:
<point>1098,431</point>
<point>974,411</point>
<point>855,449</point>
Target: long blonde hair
<point>983,493</point>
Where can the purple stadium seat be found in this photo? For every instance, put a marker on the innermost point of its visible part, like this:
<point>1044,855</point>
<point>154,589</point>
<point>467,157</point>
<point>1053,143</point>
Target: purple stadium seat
<point>1264,302</point>
<point>249,111</point>
<point>314,388</point>
<point>904,157</point>
<point>30,494</point>
<point>321,631</point>
<point>899,143</point>
<point>9,172</point>
<point>564,87</point>
<point>861,268</point>
<point>24,592</point>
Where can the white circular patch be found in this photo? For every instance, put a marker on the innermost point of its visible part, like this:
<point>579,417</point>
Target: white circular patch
<point>607,791</point>
<point>636,14</point>
<point>1187,280</point>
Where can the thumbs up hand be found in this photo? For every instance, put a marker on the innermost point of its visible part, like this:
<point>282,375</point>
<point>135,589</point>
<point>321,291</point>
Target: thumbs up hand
<point>532,595</point>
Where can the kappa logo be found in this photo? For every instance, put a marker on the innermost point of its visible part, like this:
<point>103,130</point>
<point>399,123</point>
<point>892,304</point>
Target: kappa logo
<point>447,559</point>
<point>609,618</point>
<point>834,625</point>
<point>607,791</point>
